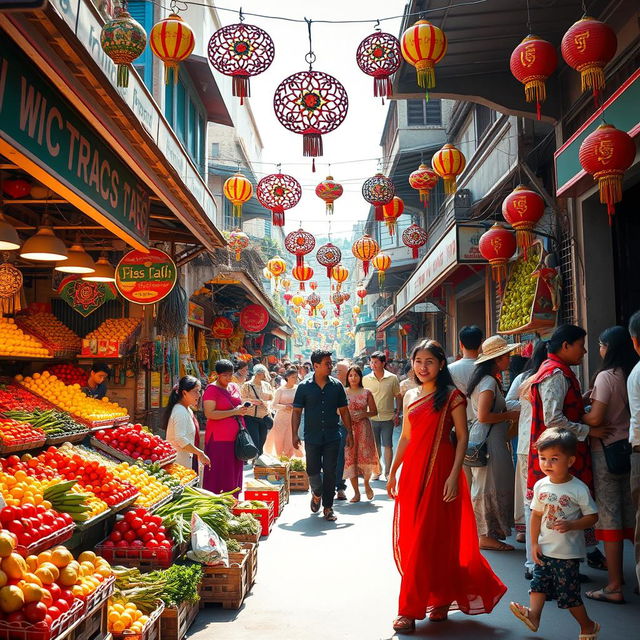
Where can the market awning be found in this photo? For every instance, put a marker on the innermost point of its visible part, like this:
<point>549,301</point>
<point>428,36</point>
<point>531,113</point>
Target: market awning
<point>206,86</point>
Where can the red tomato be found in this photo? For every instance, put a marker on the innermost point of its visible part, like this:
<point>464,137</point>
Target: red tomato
<point>54,612</point>
<point>35,612</point>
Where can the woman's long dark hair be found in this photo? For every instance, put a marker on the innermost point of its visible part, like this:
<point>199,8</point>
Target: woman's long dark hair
<point>620,352</point>
<point>444,382</point>
<point>186,383</point>
<point>538,356</point>
<point>481,370</point>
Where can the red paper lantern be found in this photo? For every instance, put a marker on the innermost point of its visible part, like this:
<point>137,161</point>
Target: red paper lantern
<point>241,51</point>
<point>339,274</point>
<point>328,255</point>
<point>381,262</point>
<point>302,273</point>
<point>172,41</point>
<point>391,212</point>
<point>365,249</point>
<point>414,237</point>
<point>311,103</point>
<point>523,209</point>
<point>423,179</point>
<point>278,192</point>
<point>329,191</point>
<point>361,292</point>
<point>287,297</point>
<point>378,191</point>
<point>16,188</point>
<point>254,318</point>
<point>606,154</point>
<point>532,62</point>
<point>379,56</point>
<point>497,246</point>
<point>449,163</point>
<point>423,45</point>
<point>299,243</point>
<point>313,285</point>
<point>587,47</point>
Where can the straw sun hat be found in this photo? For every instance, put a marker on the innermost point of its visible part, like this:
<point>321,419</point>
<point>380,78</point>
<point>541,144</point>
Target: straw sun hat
<point>494,347</point>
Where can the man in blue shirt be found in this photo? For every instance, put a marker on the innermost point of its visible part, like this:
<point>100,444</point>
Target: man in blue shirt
<point>322,398</point>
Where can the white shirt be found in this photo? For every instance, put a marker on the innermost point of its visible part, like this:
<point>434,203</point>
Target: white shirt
<point>553,391</point>
<point>181,431</point>
<point>566,501</point>
<point>633,389</point>
<point>461,372</point>
<point>514,401</point>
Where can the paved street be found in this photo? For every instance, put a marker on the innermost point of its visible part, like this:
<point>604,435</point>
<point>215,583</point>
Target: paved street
<point>321,580</point>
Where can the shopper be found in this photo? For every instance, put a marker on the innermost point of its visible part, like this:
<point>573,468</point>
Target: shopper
<point>96,386</point>
<point>562,508</point>
<point>470,339</point>
<point>259,392</point>
<point>361,459</point>
<point>491,484</point>
<point>434,533</point>
<point>279,442</point>
<point>385,388</point>
<point>611,468</point>
<point>321,397</point>
<point>224,411</point>
<point>181,425</point>
<point>633,389</point>
<point>241,373</point>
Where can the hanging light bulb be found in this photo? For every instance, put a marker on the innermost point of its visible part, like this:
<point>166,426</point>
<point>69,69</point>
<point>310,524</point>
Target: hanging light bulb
<point>44,246</point>
<point>9,240</point>
<point>104,271</point>
<point>79,261</point>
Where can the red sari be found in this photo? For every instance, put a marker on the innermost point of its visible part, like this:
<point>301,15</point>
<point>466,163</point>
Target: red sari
<point>435,543</point>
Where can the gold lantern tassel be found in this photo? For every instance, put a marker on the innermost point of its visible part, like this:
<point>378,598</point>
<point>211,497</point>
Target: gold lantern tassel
<point>450,185</point>
<point>424,197</point>
<point>524,239</point>
<point>535,91</point>
<point>592,77</point>
<point>610,192</point>
<point>392,228</point>
<point>381,279</point>
<point>426,74</point>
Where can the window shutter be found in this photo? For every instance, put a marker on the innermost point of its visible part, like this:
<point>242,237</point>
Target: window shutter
<point>142,12</point>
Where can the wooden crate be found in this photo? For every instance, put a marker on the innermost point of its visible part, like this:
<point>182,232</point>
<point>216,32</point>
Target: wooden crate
<point>175,621</point>
<point>246,537</point>
<point>252,549</point>
<point>226,586</point>
<point>94,624</point>
<point>299,481</point>
<point>277,474</point>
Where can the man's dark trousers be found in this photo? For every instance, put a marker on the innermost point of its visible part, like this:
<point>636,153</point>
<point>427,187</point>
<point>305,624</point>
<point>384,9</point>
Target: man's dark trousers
<point>341,485</point>
<point>322,461</point>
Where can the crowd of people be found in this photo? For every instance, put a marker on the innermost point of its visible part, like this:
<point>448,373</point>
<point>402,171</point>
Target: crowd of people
<point>490,442</point>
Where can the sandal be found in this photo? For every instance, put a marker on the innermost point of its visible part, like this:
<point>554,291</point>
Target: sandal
<point>369,493</point>
<point>596,560</point>
<point>522,613</point>
<point>355,498</point>
<point>439,614</point>
<point>601,595</point>
<point>593,635</point>
<point>501,546</point>
<point>315,503</point>
<point>329,515</point>
<point>402,624</point>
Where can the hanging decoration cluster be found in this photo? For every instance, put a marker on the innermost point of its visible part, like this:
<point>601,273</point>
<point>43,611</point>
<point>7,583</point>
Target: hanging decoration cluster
<point>278,192</point>
<point>379,56</point>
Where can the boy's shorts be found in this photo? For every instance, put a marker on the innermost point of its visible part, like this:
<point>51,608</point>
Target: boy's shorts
<point>559,580</point>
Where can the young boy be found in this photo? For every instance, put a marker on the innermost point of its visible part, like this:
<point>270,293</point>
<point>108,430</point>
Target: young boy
<point>561,509</point>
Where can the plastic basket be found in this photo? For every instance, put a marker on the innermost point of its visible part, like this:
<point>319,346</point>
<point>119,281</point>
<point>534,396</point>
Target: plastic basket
<point>58,537</point>
<point>26,631</point>
<point>100,595</point>
<point>22,446</point>
<point>116,453</point>
<point>141,558</point>
<point>265,516</point>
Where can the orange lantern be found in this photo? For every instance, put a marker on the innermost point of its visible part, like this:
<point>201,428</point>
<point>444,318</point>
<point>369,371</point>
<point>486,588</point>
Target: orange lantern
<point>423,45</point>
<point>365,249</point>
<point>497,245</point>
<point>449,163</point>
<point>361,292</point>
<point>356,310</point>
<point>277,266</point>
<point>238,190</point>
<point>302,273</point>
<point>238,241</point>
<point>286,283</point>
<point>339,274</point>
<point>391,212</point>
<point>606,154</point>
<point>423,179</point>
<point>172,41</point>
<point>523,209</point>
<point>381,262</point>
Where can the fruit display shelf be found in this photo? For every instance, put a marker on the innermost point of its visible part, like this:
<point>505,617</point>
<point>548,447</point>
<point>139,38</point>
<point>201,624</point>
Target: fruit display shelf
<point>116,453</point>
<point>121,506</point>
<point>141,557</point>
<point>53,539</point>
<point>99,517</point>
<point>6,449</point>
<point>71,438</point>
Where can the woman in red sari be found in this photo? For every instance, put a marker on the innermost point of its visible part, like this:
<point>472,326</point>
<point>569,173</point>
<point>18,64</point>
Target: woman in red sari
<point>435,542</point>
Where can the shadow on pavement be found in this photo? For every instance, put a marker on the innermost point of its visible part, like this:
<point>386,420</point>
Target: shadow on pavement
<point>314,526</point>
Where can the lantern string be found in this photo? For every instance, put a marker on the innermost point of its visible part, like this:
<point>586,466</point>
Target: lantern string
<point>529,27</point>
<point>310,58</point>
<point>240,15</point>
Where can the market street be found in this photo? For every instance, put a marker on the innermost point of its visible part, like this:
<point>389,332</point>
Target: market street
<point>323,580</point>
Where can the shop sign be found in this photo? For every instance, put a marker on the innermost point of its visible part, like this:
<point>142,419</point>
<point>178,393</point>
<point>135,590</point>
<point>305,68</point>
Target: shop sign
<point>145,278</point>
<point>442,256</point>
<point>254,318</point>
<point>85,297</point>
<point>387,314</point>
<point>468,241</point>
<point>40,122</point>
<point>221,328</point>
<point>195,314</point>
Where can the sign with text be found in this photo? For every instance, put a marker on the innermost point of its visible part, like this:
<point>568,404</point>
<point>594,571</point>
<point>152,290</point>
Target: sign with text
<point>146,278</point>
<point>468,243</point>
<point>195,314</point>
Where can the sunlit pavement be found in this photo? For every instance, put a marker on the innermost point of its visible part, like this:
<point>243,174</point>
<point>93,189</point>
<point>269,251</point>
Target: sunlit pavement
<point>318,579</point>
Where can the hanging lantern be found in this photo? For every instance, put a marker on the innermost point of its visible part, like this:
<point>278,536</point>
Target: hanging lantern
<point>299,243</point>
<point>378,191</point>
<point>287,297</point>
<point>497,245</point>
<point>241,51</point>
<point>310,324</point>
<point>391,212</point>
<point>338,299</point>
<point>314,285</point>
<point>267,274</point>
<point>299,319</point>
<point>449,163</point>
<point>335,322</point>
<point>329,191</point>
<point>379,56</point>
<point>298,300</point>
<point>356,310</point>
<point>278,192</point>
<point>361,292</point>
<point>414,237</point>
<point>311,103</point>
<point>423,45</point>
<point>423,179</point>
<point>523,209</point>
<point>532,62</point>
<point>346,296</point>
<point>238,242</point>
<point>238,190</point>
<point>277,266</point>
<point>302,273</point>
<point>328,255</point>
<point>172,41</point>
<point>381,262</point>
<point>606,154</point>
<point>16,188</point>
<point>339,274</point>
<point>587,47</point>
<point>323,313</point>
<point>313,300</point>
<point>365,249</point>
<point>123,40</point>
<point>286,283</point>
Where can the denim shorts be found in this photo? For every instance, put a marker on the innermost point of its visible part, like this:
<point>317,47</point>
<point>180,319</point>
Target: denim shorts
<point>558,579</point>
<point>383,432</point>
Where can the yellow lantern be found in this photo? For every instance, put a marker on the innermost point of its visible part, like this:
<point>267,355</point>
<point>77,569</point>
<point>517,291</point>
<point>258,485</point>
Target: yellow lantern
<point>172,41</point>
<point>238,190</point>
<point>423,45</point>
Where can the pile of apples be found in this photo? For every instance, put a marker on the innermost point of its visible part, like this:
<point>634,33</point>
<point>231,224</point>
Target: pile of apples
<point>70,374</point>
<point>14,433</point>
<point>135,442</point>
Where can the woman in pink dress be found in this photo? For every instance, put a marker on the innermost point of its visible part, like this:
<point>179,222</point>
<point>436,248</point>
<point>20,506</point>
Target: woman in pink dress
<point>361,459</point>
<point>279,440</point>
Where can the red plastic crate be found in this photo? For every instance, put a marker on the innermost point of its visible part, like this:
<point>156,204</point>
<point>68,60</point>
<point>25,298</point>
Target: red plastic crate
<point>274,496</point>
<point>265,517</point>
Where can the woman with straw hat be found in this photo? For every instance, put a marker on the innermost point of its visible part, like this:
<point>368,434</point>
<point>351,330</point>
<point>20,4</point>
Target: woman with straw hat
<point>488,465</point>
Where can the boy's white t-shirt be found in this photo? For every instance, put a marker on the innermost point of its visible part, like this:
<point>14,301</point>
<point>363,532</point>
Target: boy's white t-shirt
<point>566,501</point>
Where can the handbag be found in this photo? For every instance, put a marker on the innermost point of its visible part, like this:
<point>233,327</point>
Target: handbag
<point>244,447</point>
<point>266,420</point>
<point>476,454</point>
<point>617,455</point>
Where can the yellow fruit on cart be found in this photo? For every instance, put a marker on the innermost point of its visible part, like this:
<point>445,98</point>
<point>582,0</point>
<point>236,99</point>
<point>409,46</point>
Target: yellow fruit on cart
<point>7,544</point>
<point>14,566</point>
<point>11,599</point>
